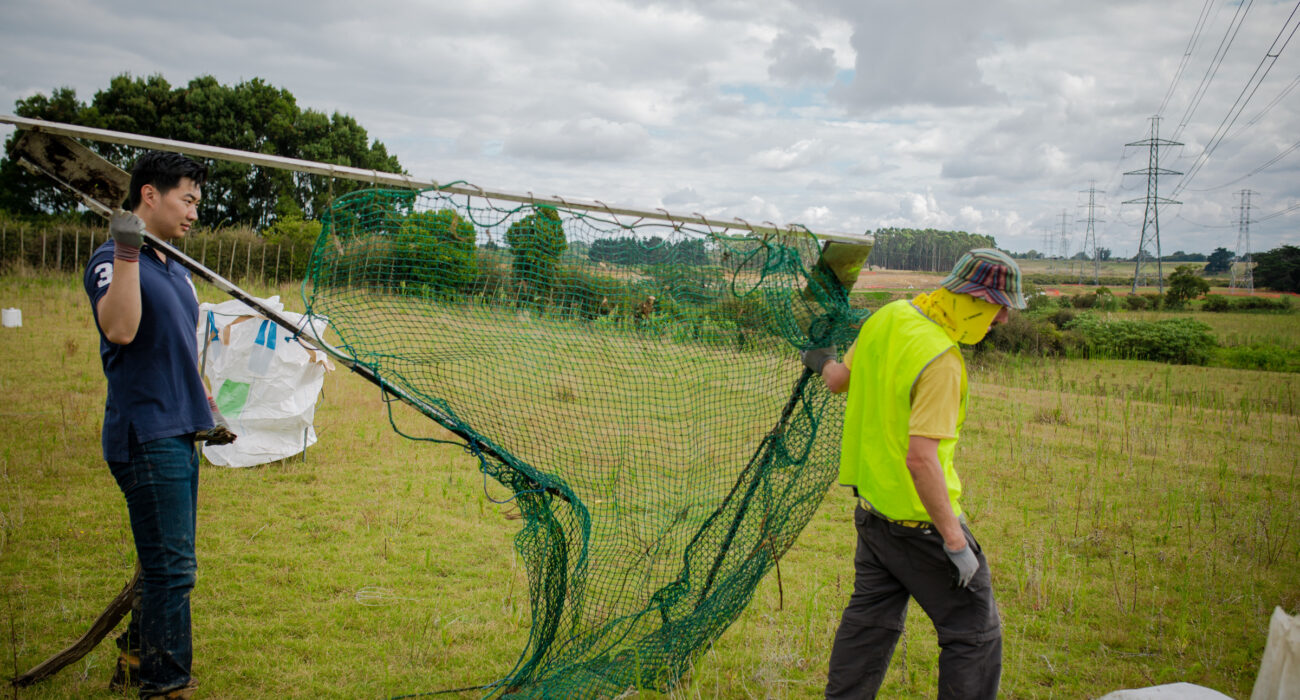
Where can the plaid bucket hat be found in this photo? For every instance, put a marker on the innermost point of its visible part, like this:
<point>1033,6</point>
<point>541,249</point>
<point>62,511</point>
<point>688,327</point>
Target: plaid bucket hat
<point>988,274</point>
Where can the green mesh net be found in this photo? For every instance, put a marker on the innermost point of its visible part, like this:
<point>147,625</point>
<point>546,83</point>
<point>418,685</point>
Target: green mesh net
<point>635,384</point>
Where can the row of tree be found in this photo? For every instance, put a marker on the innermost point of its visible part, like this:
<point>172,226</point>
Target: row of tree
<point>923,249</point>
<point>650,251</point>
<point>249,116</point>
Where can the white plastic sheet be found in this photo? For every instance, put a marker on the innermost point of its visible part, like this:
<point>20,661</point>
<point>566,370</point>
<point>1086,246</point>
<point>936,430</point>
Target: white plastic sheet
<point>264,381</point>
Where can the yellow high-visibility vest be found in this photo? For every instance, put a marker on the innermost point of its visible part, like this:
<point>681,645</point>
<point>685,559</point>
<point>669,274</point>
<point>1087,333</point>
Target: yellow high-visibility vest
<point>894,346</point>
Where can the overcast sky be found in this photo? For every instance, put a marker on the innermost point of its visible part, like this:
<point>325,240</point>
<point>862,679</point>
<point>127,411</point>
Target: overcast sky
<point>991,117</point>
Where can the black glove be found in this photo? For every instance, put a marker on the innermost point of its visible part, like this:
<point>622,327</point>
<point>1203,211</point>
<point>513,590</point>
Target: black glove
<point>816,358</point>
<point>219,433</point>
<point>126,229</point>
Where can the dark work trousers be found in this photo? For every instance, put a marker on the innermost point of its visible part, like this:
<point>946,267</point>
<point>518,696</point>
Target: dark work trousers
<point>892,563</point>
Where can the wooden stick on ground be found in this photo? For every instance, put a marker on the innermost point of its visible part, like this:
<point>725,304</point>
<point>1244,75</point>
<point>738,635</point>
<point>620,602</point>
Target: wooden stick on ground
<point>104,624</point>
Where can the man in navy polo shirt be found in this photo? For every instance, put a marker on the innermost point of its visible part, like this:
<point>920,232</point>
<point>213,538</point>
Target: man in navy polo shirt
<point>146,310</point>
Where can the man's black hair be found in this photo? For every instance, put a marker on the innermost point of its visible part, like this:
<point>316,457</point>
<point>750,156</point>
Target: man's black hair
<point>164,171</point>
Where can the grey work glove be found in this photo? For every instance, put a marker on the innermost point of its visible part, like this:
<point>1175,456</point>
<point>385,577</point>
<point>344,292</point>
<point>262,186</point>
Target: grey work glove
<point>816,358</point>
<point>219,433</point>
<point>966,563</point>
<point>126,229</point>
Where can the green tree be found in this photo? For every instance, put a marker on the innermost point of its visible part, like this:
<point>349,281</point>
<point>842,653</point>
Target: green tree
<point>536,241</point>
<point>1219,261</point>
<point>1278,269</point>
<point>1184,285</point>
<point>251,116</point>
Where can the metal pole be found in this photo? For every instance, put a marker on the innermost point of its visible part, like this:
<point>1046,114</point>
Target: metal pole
<point>376,177</point>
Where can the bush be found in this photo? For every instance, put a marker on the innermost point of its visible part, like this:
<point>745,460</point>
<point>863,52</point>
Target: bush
<point>1106,300</point>
<point>1062,318</point>
<point>1083,301</point>
<point>438,251</point>
<point>1269,358</point>
<point>1135,302</point>
<point>1177,340</point>
<point>1155,300</point>
<point>1256,303</point>
<point>1023,334</point>
<point>1038,302</point>
<point>1216,302</point>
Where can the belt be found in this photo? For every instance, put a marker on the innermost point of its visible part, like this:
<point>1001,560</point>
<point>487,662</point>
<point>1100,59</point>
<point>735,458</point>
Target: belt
<point>914,524</point>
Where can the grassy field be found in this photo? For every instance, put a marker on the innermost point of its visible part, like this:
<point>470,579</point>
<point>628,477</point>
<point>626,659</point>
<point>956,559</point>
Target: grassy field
<point>1141,521</point>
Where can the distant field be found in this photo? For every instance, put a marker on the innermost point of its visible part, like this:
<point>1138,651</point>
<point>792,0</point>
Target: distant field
<point>1141,521</point>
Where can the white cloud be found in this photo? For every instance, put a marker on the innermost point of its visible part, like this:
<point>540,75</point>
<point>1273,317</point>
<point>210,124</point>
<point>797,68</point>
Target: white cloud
<point>988,117</point>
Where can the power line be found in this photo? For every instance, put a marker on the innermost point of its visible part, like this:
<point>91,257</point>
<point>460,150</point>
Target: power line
<point>1252,85</point>
<point>1187,54</point>
<point>1256,171</point>
<point>1213,69</point>
<point>1260,220</point>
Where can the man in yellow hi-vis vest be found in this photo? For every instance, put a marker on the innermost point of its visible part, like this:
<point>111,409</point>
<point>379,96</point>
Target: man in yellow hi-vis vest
<point>906,405</point>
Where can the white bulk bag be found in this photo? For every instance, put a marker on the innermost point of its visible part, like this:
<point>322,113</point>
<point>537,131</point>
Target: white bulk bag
<point>264,381</point>
<point>1279,670</point>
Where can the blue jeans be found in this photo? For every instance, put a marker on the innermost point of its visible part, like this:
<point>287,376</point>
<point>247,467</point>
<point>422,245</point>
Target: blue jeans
<point>161,485</point>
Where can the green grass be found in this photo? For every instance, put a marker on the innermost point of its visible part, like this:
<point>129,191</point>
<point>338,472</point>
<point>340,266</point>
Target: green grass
<point>1140,519</point>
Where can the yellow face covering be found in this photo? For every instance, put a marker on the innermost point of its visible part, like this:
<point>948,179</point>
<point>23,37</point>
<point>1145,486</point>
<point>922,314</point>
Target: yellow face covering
<point>965,318</point>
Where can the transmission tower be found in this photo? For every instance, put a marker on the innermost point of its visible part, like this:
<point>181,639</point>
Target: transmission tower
<point>1047,250</point>
<point>1090,237</point>
<point>1244,279</point>
<point>1065,246</point>
<point>1151,220</point>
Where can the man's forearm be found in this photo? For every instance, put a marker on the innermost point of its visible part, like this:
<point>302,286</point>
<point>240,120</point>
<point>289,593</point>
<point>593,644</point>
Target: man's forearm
<point>927,477</point>
<point>119,309</point>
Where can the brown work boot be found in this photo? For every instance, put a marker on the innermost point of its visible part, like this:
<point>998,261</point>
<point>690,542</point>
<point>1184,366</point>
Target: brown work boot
<point>184,692</point>
<point>127,673</point>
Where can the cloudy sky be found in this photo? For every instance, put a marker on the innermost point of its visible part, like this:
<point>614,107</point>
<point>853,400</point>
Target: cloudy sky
<point>991,117</point>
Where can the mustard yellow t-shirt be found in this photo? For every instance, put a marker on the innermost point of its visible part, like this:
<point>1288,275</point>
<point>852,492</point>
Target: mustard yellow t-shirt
<point>936,396</point>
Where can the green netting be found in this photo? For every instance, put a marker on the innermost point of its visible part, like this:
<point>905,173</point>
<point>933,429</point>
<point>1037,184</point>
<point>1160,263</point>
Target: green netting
<point>635,384</point>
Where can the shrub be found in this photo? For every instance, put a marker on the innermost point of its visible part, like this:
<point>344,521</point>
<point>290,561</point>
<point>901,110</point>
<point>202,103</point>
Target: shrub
<point>1038,302</point>
<point>1062,318</point>
<point>1257,303</point>
<point>1155,300</point>
<point>1216,302</point>
<point>1023,334</point>
<point>536,241</point>
<point>438,251</point>
<point>1084,301</point>
<point>1105,299</point>
<point>1270,358</point>
<point>1177,340</point>
<point>1135,302</point>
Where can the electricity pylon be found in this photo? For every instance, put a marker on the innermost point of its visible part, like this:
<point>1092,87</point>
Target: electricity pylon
<point>1065,246</point>
<point>1246,278</point>
<point>1151,219</point>
<point>1090,236</point>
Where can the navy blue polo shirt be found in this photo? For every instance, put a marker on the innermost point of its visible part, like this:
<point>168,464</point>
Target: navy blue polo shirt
<point>154,386</point>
